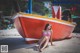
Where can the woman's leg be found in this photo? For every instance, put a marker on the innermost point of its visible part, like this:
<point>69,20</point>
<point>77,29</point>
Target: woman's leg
<point>43,40</point>
<point>45,44</point>
<point>40,40</point>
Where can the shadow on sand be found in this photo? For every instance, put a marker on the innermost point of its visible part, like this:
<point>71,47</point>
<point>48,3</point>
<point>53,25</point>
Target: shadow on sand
<point>17,43</point>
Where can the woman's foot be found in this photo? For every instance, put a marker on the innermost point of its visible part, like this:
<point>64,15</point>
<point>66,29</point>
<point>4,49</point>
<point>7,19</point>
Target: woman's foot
<point>40,50</point>
<point>47,46</point>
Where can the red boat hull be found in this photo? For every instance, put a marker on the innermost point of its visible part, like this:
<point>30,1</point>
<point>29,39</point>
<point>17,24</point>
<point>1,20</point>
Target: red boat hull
<point>31,28</point>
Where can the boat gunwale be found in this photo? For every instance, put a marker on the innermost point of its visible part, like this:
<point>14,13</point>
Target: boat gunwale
<point>44,18</point>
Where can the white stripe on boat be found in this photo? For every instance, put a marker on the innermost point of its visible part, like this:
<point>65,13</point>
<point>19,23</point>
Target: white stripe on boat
<point>30,39</point>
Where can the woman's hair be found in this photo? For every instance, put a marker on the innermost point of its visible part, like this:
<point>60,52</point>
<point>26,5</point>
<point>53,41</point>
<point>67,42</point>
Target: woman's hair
<point>47,26</point>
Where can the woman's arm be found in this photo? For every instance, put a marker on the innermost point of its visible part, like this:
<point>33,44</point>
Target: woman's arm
<point>51,37</point>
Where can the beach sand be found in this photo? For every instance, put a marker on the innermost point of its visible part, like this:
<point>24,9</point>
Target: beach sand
<point>16,44</point>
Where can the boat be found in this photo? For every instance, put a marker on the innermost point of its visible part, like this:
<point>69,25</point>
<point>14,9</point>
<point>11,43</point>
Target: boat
<point>30,27</point>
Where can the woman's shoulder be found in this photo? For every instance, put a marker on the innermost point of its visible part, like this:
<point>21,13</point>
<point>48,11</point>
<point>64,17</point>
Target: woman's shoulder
<point>43,30</point>
<point>51,30</point>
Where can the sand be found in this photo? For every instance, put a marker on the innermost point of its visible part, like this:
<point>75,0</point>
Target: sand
<point>17,44</point>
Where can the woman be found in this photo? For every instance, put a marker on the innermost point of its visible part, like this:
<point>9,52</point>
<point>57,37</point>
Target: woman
<point>46,36</point>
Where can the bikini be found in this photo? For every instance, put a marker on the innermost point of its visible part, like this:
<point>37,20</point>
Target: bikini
<point>47,33</point>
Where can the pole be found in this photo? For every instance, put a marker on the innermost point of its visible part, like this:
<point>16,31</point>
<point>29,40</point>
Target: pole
<point>30,6</point>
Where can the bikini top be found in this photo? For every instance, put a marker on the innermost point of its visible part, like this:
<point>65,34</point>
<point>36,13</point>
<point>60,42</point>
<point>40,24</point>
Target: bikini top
<point>47,33</point>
